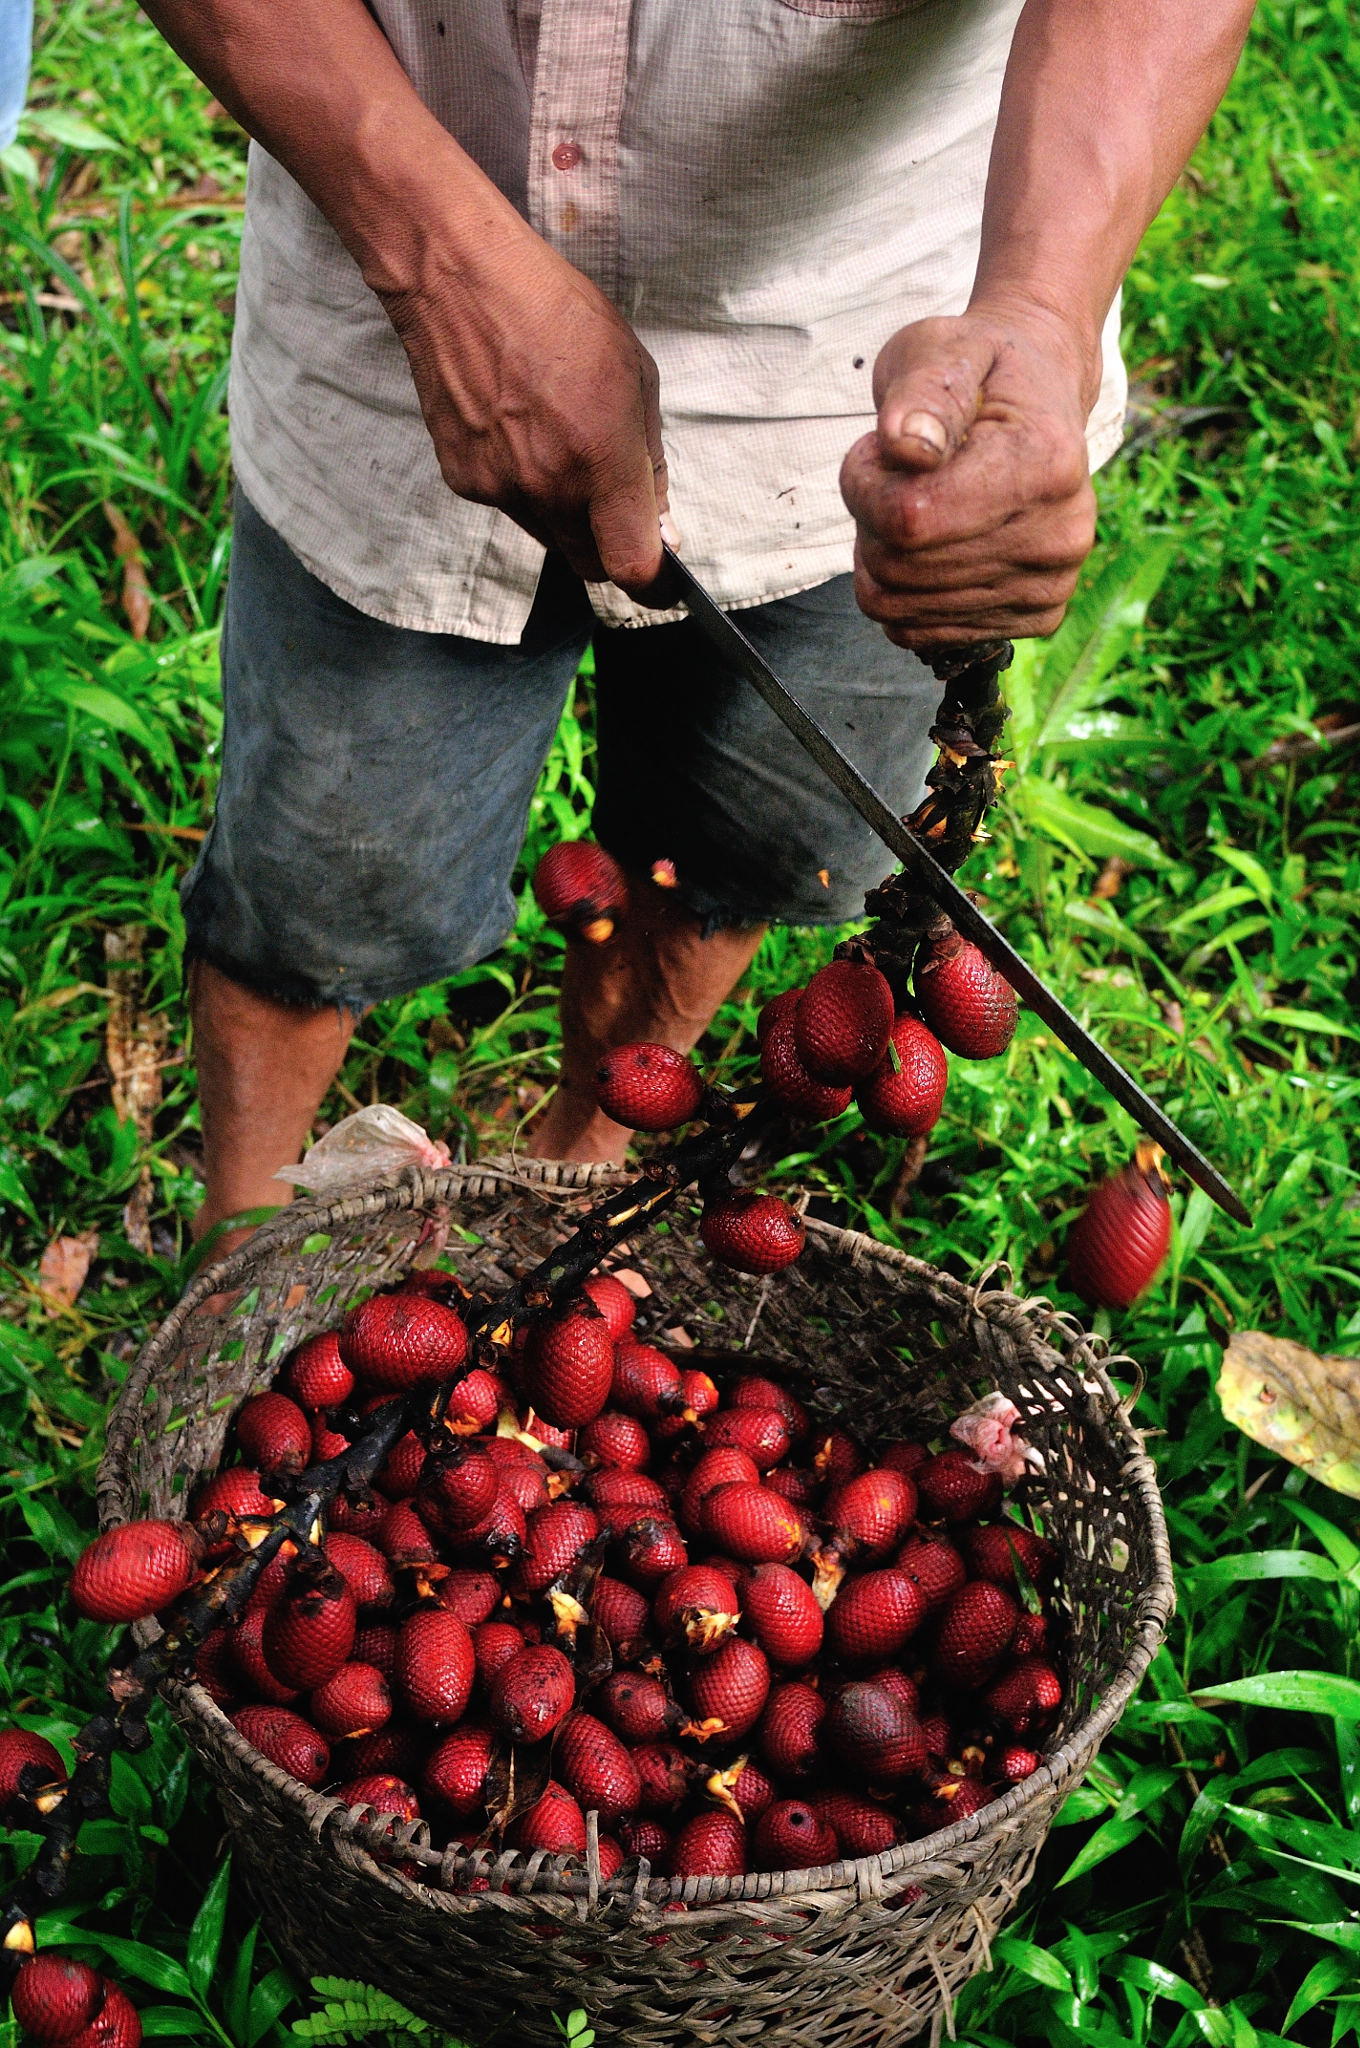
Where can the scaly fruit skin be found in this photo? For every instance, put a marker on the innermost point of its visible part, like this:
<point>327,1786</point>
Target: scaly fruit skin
<point>316,1376</point>
<point>1118,1243</point>
<point>117,2024</point>
<point>569,1368</point>
<point>398,1748</point>
<point>1031,1635</point>
<point>499,1534</point>
<point>790,1083</point>
<point>875,1734</point>
<point>839,1456</point>
<point>623,1612</point>
<point>454,1777</point>
<point>248,1660</point>
<point>760,1432</point>
<point>701,1399</point>
<point>130,1572</point>
<point>753,1792</point>
<point>528,1484</point>
<point>904,1101</point>
<point>597,1769</point>
<point>555,1823</point>
<point>969,1006</point>
<point>382,1791</point>
<point>794,1836</point>
<point>731,1688</point>
<point>459,1489</point>
<point>841,1026</point>
<point>752,1233</point>
<point>861,1827</point>
<point>789,1736</point>
<point>494,1643</point>
<point>532,1693</point>
<point>648,1087</point>
<point>752,1390</point>
<point>958,1799</point>
<point>1015,1764</point>
<point>754,1525</point>
<point>403,1537</point>
<point>309,1631</point>
<point>376,1643</point>
<point>775,1011</point>
<point>938,1731</point>
<point>234,1493</point>
<point>637,1707</point>
<point>647,1837</point>
<point>400,1473</point>
<point>580,887</point>
<point>614,1302</point>
<point>621,1498</point>
<point>652,1550</point>
<point>398,1341</point>
<point>974,1633</point>
<point>873,1617</point>
<point>646,1383</point>
<point>356,1701</point>
<point>435,1665</point>
<point>991,1553</point>
<point>1026,1698</point>
<point>472,1596</point>
<point>364,1569</point>
<point>952,1488</point>
<point>780,1610</point>
<point>710,1845</point>
<point>874,1510</point>
<point>902,1456</point>
<point>287,1741</point>
<point>19,1747</point>
<point>799,1488</point>
<point>615,1442</point>
<point>935,1564</point>
<point>54,1997</point>
<point>696,1606</point>
<point>664,1775</point>
<point>712,1470</point>
<point>554,1538</point>
<point>476,1401</point>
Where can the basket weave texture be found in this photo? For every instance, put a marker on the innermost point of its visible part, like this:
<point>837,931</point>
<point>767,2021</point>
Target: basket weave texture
<point>859,1955</point>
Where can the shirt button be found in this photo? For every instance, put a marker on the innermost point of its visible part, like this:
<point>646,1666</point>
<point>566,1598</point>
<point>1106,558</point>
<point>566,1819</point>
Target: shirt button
<point>566,156</point>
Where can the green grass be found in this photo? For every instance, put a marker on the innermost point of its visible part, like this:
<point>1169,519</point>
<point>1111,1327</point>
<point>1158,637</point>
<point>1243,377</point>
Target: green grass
<point>1224,971</point>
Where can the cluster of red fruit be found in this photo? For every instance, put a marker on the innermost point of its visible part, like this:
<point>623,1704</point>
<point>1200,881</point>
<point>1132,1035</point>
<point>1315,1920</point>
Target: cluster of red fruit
<point>809,1656</point>
<point>57,2000</point>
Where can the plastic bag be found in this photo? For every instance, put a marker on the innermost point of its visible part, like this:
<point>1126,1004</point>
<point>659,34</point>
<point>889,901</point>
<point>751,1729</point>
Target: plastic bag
<point>987,1429</point>
<point>364,1147</point>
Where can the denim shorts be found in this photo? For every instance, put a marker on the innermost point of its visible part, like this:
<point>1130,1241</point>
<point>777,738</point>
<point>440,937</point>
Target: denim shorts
<point>376,781</point>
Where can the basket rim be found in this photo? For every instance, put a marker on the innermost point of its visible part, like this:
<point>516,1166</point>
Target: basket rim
<point>1034,1322</point>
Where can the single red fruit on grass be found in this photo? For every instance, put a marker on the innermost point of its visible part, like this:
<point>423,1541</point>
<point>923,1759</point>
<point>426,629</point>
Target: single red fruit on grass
<point>841,1026</point>
<point>775,1011</point>
<point>728,1690</point>
<point>476,1401</point>
<point>754,1525</point>
<point>375,1643</point>
<point>875,1734</point>
<point>710,1845</point>
<point>569,1367</point>
<point>874,1616</point>
<point>969,1006</point>
<point>665,1775</point>
<point>645,1383</point>
<point>1015,1764</point>
<point>435,1665</point>
<point>696,1606</point>
<point>839,1456</point>
<point>794,1836</point>
<point>26,1761</point>
<point>955,1800</point>
<point>1118,1243</point>
<point>751,1232</point>
<point>615,1442</point>
<point>248,1660</point>
<point>1025,1699</point>
<point>652,1550</point>
<point>356,1701</point>
<point>648,1087</point>
<point>872,1512</point>
<point>760,1432</point>
<point>554,1539</point>
<point>363,1568</point>
<point>712,1470</point>
<point>383,1792</point>
<point>623,1612</point>
<point>953,1488</point>
<point>555,1823</point>
<point>234,1493</point>
<point>790,1083</point>
<point>399,1475</point>
<point>596,1768</point>
<point>903,1097</point>
<point>130,1572</point>
<point>117,2024</point>
<point>399,1341</point>
<point>459,1489</point>
<point>780,1610</point>
<point>935,1564</point>
<point>286,1740</point>
<point>580,887</point>
<point>54,1997</point>
<point>991,1553</point>
<point>790,1730</point>
<point>861,1827</point>
<point>614,1302</point>
<point>647,1837</point>
<point>316,1376</point>
<point>455,1774</point>
<point>309,1631</point>
<point>638,1708</point>
<point>532,1693</point>
<point>974,1633</point>
<point>472,1596</point>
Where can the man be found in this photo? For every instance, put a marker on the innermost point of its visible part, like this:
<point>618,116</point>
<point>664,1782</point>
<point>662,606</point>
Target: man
<point>539,275</point>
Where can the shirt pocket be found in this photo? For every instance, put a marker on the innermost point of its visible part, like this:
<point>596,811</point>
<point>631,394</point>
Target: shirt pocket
<point>851,10</point>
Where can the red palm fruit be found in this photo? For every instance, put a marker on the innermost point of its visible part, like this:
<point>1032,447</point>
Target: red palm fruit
<point>789,1082</point>
<point>701,1399</point>
<point>215,1672</point>
<point>752,1790</point>
<point>648,1087</point>
<point>546,1433</point>
<point>754,1525</point>
<point>494,1643</point>
<point>652,1550</point>
<point>505,1451</point>
<point>632,1494</point>
<point>235,1493</point>
<point>527,1483</point>
<point>781,1612</point>
<point>286,1740</point>
<point>861,1827</point>
<point>248,1660</point>
<point>902,1455</point>
<point>117,2024</point>
<point>903,1097</point>
<point>569,1367</point>
<point>316,1376</point>
<point>974,1633</point>
<point>623,1612</point>
<point>874,1511</point>
<point>938,1731</point>
<point>794,1836</point>
<point>54,1997</point>
<point>383,1792</point>
<point>793,1485</point>
<point>1015,1764</point>
<point>874,1617</point>
<point>356,1701</point>
<point>455,1774</point>
<point>20,1748</point>
<point>969,1006</point>
<point>472,1596</point>
<point>375,1643</point>
<point>1117,1245</point>
<point>398,1477</point>
<point>935,1564</point>
<point>647,1837</point>
<point>728,1690</point>
<point>614,1302</point>
<point>309,1631</point>
<point>899,1683</point>
<point>775,1011</point>
<point>696,1605</point>
<point>760,1432</point>
<point>646,1383</point>
<point>712,1470</point>
<point>580,887</point>
<point>1025,1698</point>
<point>328,1443</point>
<point>1031,1635</point>
<point>611,1857</point>
<point>532,1693</point>
<point>130,1572</point>
<point>955,1800</point>
<point>460,1487</point>
<point>403,1537</point>
<point>710,1845</point>
<point>615,1442</point>
<point>842,1024</point>
<point>751,1232</point>
<point>597,1769</point>
<point>991,1554</point>
<point>399,1341</point>
<point>665,1774</point>
<point>397,1749</point>
<point>638,1708</point>
<point>476,1401</point>
<point>873,1731</point>
<point>363,1568</point>
<point>274,1434</point>
<point>752,1390</point>
<point>274,1579</point>
<point>790,1730</point>
<point>501,1533</point>
<point>554,1539</point>
<point>435,1665</point>
<point>839,1456</point>
<point>953,1488</point>
<point>555,1823</point>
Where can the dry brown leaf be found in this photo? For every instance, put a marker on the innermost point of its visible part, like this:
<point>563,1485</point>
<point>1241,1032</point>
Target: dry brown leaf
<point>134,1046</point>
<point>1297,1403</point>
<point>136,589</point>
<point>63,1268</point>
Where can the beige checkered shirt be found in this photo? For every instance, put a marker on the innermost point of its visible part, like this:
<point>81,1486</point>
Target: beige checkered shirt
<point>767,189</point>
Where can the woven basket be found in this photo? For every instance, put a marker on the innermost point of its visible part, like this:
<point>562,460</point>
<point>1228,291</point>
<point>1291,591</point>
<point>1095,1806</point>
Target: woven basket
<point>869,1952</point>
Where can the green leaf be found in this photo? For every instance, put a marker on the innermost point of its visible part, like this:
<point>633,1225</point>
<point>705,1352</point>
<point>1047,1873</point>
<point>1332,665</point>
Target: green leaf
<point>1157,1981</point>
<point>110,710</point>
<point>271,1996</point>
<point>1304,1020</point>
<point>236,1988</point>
<point>1302,1692</point>
<point>1086,1803</point>
<point>1260,1564</point>
<point>14,1187</point>
<point>205,1936</point>
<point>1031,1961</point>
<point>1342,1934</point>
<point>1105,1842</point>
<point>139,1960</point>
<point>1334,1541</point>
<point>71,131</point>
<point>1322,1980</point>
<point>170,2021</point>
<point>1086,828</point>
